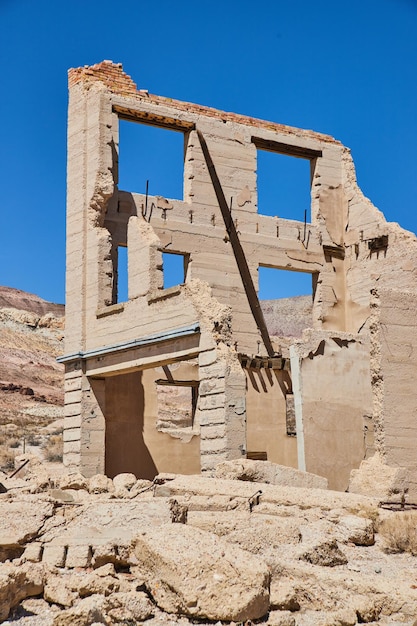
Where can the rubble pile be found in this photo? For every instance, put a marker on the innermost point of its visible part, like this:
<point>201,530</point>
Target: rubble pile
<point>187,549</point>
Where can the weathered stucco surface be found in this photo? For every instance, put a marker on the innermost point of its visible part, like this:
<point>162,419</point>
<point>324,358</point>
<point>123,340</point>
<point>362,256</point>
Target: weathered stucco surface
<point>241,383</point>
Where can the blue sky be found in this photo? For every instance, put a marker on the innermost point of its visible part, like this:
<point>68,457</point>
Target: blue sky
<point>343,68</point>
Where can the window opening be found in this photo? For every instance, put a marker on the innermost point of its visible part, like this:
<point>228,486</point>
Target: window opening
<point>286,299</point>
<point>122,274</point>
<point>290,422</point>
<point>154,154</point>
<point>177,403</point>
<point>284,186</point>
<point>174,266</point>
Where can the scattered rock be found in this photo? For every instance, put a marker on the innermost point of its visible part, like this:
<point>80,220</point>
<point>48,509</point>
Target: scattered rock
<point>357,530</point>
<point>102,581</point>
<point>130,607</point>
<point>17,584</point>
<point>100,484</point>
<point>86,612</point>
<point>281,618</point>
<point>342,617</point>
<point>179,512</point>
<point>326,554</point>
<point>283,596</point>
<point>57,592</point>
<point>36,606</point>
<point>73,481</point>
<point>367,609</point>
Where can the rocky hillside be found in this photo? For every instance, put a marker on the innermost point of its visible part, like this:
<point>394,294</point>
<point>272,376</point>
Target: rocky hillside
<point>31,381</point>
<point>288,317</point>
<point>11,298</point>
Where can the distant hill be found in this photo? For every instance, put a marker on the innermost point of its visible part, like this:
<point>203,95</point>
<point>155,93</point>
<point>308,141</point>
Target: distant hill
<point>288,317</point>
<point>31,381</point>
<point>17,299</point>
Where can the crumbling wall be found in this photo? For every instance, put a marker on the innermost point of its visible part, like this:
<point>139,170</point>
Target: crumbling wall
<point>332,403</point>
<point>394,373</point>
<point>213,320</point>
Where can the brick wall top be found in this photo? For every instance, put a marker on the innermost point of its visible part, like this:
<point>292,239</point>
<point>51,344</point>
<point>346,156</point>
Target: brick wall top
<point>118,82</point>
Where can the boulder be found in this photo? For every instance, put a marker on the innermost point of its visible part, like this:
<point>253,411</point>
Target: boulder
<point>195,573</point>
<point>86,612</point>
<point>284,596</point>
<point>357,530</point>
<point>123,483</point>
<point>18,583</point>
<point>57,591</point>
<point>324,553</point>
<point>73,481</point>
<point>20,521</point>
<point>99,483</point>
<point>266,472</point>
<point>130,608</point>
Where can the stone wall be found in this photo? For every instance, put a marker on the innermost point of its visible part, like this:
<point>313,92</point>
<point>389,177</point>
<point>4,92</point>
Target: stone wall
<point>214,318</point>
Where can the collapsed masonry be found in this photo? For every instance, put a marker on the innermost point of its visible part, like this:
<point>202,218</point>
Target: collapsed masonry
<point>349,379</point>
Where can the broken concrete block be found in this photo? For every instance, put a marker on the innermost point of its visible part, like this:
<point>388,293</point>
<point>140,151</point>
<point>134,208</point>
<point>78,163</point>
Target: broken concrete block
<point>283,596</point>
<point>56,591</point>
<point>281,618</point>
<point>188,570</point>
<point>18,583</point>
<point>97,583</point>
<point>78,556</point>
<point>33,552</point>
<point>73,481</point>
<point>20,522</point>
<point>379,480</point>
<point>61,495</point>
<point>54,555</point>
<point>130,607</point>
<point>266,472</point>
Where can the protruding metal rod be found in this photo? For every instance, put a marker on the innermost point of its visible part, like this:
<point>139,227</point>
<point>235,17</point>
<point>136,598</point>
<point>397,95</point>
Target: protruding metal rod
<point>146,198</point>
<point>305,224</point>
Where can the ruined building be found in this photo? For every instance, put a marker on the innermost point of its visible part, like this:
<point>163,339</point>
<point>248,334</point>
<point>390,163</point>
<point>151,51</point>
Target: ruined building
<point>203,344</point>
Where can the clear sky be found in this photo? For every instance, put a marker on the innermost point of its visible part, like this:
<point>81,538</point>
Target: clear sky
<point>347,69</point>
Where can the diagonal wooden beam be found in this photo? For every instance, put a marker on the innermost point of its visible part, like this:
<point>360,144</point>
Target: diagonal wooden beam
<point>238,251</point>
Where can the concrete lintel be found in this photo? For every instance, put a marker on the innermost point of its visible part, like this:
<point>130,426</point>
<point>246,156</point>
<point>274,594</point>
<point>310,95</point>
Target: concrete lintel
<point>144,357</point>
<point>175,333</point>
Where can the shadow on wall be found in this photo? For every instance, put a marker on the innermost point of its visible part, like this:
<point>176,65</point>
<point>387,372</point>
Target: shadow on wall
<point>125,448</point>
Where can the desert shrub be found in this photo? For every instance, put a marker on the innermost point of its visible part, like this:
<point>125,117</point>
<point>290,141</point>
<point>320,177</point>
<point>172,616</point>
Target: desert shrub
<point>33,440</point>
<point>6,460</point>
<point>400,533</point>
<point>53,448</point>
<point>13,443</point>
<point>56,431</point>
